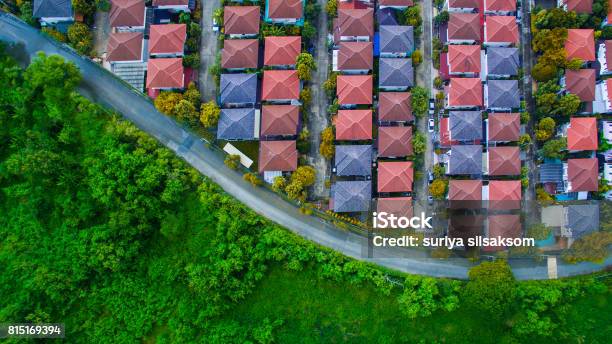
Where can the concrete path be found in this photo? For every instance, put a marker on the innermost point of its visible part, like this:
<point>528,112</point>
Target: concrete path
<point>101,32</point>
<point>208,50</point>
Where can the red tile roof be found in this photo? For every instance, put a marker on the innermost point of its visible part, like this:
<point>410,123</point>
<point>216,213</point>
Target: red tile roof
<point>280,85</point>
<point>500,5</point>
<point>580,6</point>
<point>395,176</point>
<point>165,73</point>
<point>582,133</point>
<point>465,92</point>
<point>504,126</point>
<point>464,58</point>
<point>581,83</point>
<point>241,20</point>
<point>124,46</point>
<point>394,141</point>
<point>464,26</point>
<point>504,226</point>
<point>277,156</point>
<point>463,3</point>
<point>505,194</point>
<point>279,120</point>
<point>127,13</point>
<point>465,190</point>
<point>395,2</point>
<point>398,206</point>
<point>167,38</point>
<point>504,161</point>
<point>580,44</point>
<point>356,22</point>
<point>354,125</point>
<point>240,53</point>
<point>354,89</point>
<point>282,50</point>
<point>285,9</point>
<point>501,29</point>
<point>583,174</point>
<point>355,55</point>
<point>395,107</point>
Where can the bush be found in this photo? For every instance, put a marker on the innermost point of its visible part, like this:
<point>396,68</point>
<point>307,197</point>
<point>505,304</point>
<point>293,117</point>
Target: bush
<point>420,101</point>
<point>491,288</point>
<point>417,58</point>
<point>209,114</point>
<point>166,101</point>
<point>232,161</point>
<point>80,38</point>
<point>326,147</point>
<point>192,60</point>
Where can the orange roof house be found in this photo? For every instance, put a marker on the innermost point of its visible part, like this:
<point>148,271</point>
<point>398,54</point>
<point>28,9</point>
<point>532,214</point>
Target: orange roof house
<point>354,89</point>
<point>285,9</point>
<point>504,161</point>
<point>395,176</point>
<point>582,134</point>
<point>395,107</point>
<point>465,194</point>
<point>579,6</point>
<point>505,194</point>
<point>463,4</point>
<point>278,120</point>
<point>277,156</point>
<point>124,46</point>
<point>581,82</point>
<point>355,23</point>
<point>464,59</point>
<point>504,126</point>
<point>165,74</point>
<point>582,174</point>
<point>282,50</point>
<point>354,125</point>
<point>280,85</point>
<point>394,141</point>
<point>241,20</point>
<point>501,6</point>
<point>501,30</point>
<point>580,44</point>
<point>355,56</point>
<point>167,39</point>
<point>398,206</point>
<point>127,13</point>
<point>465,92</point>
<point>464,27</point>
<point>240,53</point>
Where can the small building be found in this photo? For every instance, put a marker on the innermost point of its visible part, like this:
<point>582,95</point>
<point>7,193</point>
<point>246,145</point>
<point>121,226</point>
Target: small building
<point>502,62</point>
<point>354,125</point>
<point>396,41</point>
<point>582,175</point>
<point>127,15</point>
<point>280,86</point>
<point>463,5</point>
<point>582,219</point>
<point>582,134</point>
<point>503,194</point>
<point>354,89</point>
<point>282,51</point>
<point>395,74</point>
<point>465,126</point>
<point>277,156</point>
<point>165,74</point>
<point>238,90</point>
<point>351,196</point>
<point>395,107</point>
<point>395,176</point>
<point>464,28</point>
<point>240,54</point>
<point>279,120</point>
<point>167,40</point>
<point>464,93</point>
<point>580,44</point>
<point>241,21</point>
<point>238,124</point>
<point>502,95</point>
<point>394,142</point>
<point>503,127</point>
<point>354,57</point>
<point>354,25</point>
<point>501,31</point>
<point>52,13</point>
<point>125,57</point>
<point>464,60</point>
<point>465,160</point>
<point>285,12</point>
<point>503,161</point>
<point>353,160</point>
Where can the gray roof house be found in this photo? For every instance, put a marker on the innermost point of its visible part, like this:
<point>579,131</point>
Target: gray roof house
<point>238,89</point>
<point>236,124</point>
<point>386,16</point>
<point>354,160</point>
<point>396,41</point>
<point>502,94</point>
<point>351,196</point>
<point>465,125</point>
<point>502,62</point>
<point>395,74</point>
<point>52,9</point>
<point>582,219</point>
<point>465,160</point>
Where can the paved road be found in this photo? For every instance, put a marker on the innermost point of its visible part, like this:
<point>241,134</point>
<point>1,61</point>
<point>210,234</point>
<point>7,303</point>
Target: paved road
<point>208,50</point>
<point>100,86</point>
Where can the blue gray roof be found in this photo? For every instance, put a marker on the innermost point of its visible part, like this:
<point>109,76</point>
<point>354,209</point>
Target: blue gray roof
<point>465,125</point>
<point>351,196</point>
<point>466,159</point>
<point>396,39</point>
<point>238,88</point>
<point>386,16</point>
<point>52,9</point>
<point>551,172</point>
<point>582,219</point>
<point>236,124</point>
<point>503,94</point>
<point>395,72</point>
<point>503,61</point>
<point>354,160</point>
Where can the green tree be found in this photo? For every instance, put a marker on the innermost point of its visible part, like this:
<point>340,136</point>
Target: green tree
<point>569,105</point>
<point>303,72</point>
<point>555,149</point>
<point>592,247</point>
<point>192,95</point>
<point>418,143</point>
<point>538,231</point>
<point>80,38</point>
<point>326,147</point>
<point>417,58</point>
<point>252,178</point>
<point>420,101</point>
<point>279,183</point>
<point>438,188</point>
<point>85,7</point>
<point>209,114</point>
<point>308,31</point>
<point>232,161</point>
<point>167,101</point>
<point>524,141</point>
<point>331,8</point>
<point>491,288</point>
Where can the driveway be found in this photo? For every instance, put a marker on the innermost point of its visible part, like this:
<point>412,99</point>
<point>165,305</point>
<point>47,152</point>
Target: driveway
<point>208,50</point>
<point>104,88</point>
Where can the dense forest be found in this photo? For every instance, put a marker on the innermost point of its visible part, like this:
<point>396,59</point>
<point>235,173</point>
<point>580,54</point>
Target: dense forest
<point>103,229</point>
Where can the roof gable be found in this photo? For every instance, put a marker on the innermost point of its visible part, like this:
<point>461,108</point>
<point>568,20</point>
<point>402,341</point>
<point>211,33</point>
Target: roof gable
<point>52,9</point>
<point>394,141</point>
<point>356,22</point>
<point>504,161</point>
<point>396,72</point>
<point>465,125</point>
<point>463,3</point>
<point>466,159</point>
<point>502,61</point>
<point>285,9</point>
<point>165,73</point>
<point>398,206</point>
<point>580,44</point>
<point>580,6</point>
<point>354,125</point>
<point>582,174</point>
<point>354,89</point>
<point>582,219</point>
<point>582,133</point>
<point>395,176</point>
<point>353,160</point>
<point>124,46</point>
<point>501,29</point>
<point>355,55</point>
<point>396,39</point>
<point>464,26</point>
<point>581,83</point>
<point>280,84</point>
<point>465,190</point>
<point>503,94</point>
<point>395,106</point>
<point>167,38</point>
<point>241,20</point>
<point>277,156</point>
<point>500,5</point>
<point>464,58</point>
<point>505,194</point>
<point>127,13</point>
<point>504,226</point>
<point>240,53</point>
<point>236,124</point>
<point>351,196</point>
<point>465,92</point>
<point>504,126</point>
<point>282,50</point>
<point>279,120</point>
<point>238,88</point>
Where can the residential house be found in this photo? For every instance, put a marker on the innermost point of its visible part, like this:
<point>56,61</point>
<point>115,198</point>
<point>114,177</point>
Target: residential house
<point>500,7</point>
<point>285,12</point>
<point>386,16</point>
<point>503,194</point>
<point>125,57</point>
<point>53,13</point>
<point>464,93</point>
<point>238,124</point>
<point>465,194</point>
<point>464,28</point>
<point>282,51</point>
<point>354,58</point>
<point>604,56</point>
<point>277,156</point>
<point>501,31</point>
<point>582,134</point>
<point>238,90</point>
<point>572,221</point>
<point>463,5</point>
<point>398,206</point>
<point>396,41</point>
<point>394,142</point>
<point>165,74</point>
<point>354,125</point>
<point>581,82</point>
<point>172,5</point>
<point>464,60</point>
<point>351,196</point>
<point>354,90</point>
<point>353,160</point>
<point>394,107</point>
<point>465,160</point>
<point>465,227</point>
<point>501,62</point>
<point>241,21</point>
<point>281,86</point>
<point>503,127</point>
<point>395,176</point>
<point>127,15</point>
<point>465,126</point>
<point>354,25</point>
<point>582,176</point>
<point>240,54</point>
<point>506,226</point>
<point>167,40</point>
<point>502,95</point>
<point>580,44</point>
<point>395,74</point>
<point>279,120</point>
<point>503,161</point>
<point>578,6</point>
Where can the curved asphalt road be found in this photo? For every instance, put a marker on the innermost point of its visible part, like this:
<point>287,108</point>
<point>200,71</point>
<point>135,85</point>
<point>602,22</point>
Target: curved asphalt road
<point>102,87</point>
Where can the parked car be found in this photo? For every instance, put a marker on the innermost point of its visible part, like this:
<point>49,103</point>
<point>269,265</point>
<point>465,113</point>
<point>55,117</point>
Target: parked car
<point>431,125</point>
<point>430,199</point>
<point>430,177</point>
<point>431,104</point>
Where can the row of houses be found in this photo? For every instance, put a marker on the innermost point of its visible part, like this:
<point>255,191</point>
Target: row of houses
<point>372,147</point>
